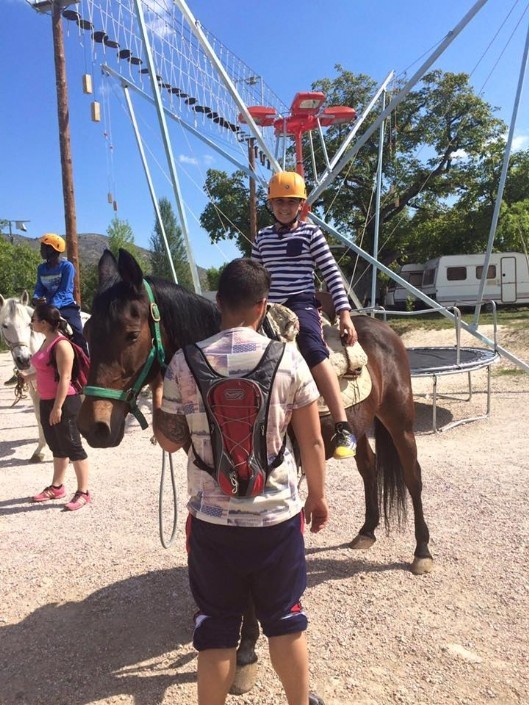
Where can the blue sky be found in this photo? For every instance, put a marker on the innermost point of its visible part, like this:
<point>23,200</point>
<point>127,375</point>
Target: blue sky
<point>289,44</point>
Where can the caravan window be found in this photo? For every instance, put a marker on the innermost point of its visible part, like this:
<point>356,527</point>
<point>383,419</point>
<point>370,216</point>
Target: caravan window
<point>428,277</point>
<point>456,274</point>
<point>491,274</point>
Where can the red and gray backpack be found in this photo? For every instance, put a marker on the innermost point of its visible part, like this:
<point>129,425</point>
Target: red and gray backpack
<point>237,411</point>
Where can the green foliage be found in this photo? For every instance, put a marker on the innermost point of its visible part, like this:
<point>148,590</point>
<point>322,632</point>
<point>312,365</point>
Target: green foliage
<point>120,235</point>
<point>18,268</point>
<point>159,258</point>
<point>442,157</point>
<point>89,278</point>
<point>227,215</point>
<point>213,276</point>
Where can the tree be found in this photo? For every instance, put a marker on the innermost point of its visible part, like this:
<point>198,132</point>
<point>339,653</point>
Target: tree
<point>18,268</point>
<point>213,276</point>
<point>433,147</point>
<point>227,215</point>
<point>159,258</point>
<point>120,236</point>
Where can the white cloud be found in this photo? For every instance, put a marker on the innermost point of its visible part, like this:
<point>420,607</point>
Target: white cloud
<point>205,160</point>
<point>184,159</point>
<point>460,154</point>
<point>520,142</point>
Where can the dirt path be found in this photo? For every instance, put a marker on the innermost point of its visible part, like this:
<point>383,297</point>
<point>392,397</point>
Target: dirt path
<point>94,610</point>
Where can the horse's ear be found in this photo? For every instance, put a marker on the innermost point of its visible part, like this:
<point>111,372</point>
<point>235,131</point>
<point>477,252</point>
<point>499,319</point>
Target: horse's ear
<point>108,270</point>
<point>25,298</point>
<point>2,301</point>
<point>129,269</point>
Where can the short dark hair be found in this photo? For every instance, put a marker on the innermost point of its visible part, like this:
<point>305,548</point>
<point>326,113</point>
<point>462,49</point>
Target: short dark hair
<point>242,283</point>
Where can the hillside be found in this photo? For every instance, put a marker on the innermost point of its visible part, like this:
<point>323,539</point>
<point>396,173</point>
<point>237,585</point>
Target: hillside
<point>91,247</point>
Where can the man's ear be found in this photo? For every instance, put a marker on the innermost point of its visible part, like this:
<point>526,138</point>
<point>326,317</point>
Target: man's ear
<point>218,302</point>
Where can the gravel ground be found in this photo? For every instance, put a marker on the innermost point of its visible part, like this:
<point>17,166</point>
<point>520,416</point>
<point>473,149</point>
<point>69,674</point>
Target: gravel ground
<point>94,610</point>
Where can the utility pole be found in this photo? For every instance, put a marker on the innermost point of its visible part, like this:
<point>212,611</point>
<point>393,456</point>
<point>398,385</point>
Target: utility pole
<point>72,247</point>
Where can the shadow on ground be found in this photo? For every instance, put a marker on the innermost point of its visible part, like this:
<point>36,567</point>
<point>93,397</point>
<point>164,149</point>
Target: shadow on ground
<point>120,640</point>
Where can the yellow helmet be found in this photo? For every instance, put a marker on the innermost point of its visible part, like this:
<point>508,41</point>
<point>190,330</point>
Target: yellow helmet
<point>287,184</point>
<point>53,240</point>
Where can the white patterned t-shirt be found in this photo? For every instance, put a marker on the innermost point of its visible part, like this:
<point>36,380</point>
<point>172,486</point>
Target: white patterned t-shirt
<point>233,353</point>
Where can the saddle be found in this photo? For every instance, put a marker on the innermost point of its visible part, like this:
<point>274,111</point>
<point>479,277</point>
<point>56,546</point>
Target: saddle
<point>348,361</point>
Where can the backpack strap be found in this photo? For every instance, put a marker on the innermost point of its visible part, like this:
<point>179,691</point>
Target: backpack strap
<point>263,375</point>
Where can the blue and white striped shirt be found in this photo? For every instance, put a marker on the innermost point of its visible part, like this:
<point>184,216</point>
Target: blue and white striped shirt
<point>291,259</point>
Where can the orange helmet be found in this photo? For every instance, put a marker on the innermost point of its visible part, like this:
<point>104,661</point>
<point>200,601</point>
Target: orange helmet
<point>55,241</point>
<point>287,184</point>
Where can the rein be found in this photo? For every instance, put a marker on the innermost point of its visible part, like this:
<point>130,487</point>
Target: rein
<point>157,352</point>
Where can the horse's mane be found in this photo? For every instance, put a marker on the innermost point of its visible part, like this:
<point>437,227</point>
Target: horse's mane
<point>186,316</point>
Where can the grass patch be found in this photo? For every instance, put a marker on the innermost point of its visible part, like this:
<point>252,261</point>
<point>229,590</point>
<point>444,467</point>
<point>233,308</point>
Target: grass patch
<point>512,318</point>
<point>509,372</point>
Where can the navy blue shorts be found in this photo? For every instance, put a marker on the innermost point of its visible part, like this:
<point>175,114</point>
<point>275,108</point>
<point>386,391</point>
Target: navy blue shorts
<point>228,564</point>
<point>72,314</point>
<point>63,439</point>
<point>310,337</point>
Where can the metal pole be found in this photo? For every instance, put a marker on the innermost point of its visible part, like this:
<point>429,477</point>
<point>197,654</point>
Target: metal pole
<point>501,186</point>
<point>167,144</point>
<point>377,204</point>
<point>396,100</point>
<point>72,247</point>
<point>241,166</point>
<point>418,293</point>
<point>253,193</point>
<point>195,27</point>
<point>149,180</point>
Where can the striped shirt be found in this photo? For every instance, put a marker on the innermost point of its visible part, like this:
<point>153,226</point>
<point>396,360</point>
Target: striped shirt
<point>291,259</point>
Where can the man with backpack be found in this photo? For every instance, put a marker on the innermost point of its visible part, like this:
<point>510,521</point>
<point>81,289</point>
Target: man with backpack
<point>246,518</point>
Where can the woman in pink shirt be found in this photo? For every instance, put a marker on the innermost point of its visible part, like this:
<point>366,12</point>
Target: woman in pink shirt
<point>59,406</point>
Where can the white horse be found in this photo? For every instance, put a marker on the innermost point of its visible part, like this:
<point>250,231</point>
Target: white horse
<point>22,341</point>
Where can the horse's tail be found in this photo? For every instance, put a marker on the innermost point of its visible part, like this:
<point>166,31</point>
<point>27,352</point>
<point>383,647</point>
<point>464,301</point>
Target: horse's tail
<point>390,478</point>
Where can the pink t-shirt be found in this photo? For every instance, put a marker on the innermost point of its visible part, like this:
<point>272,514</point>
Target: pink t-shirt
<point>46,372</point>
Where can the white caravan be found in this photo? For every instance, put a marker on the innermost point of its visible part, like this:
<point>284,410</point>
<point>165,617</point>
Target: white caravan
<point>454,280</point>
<point>397,297</point>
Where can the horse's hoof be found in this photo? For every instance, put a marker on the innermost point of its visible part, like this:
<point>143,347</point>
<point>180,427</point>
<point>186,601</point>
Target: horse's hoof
<point>37,458</point>
<point>315,699</point>
<point>362,543</point>
<point>245,677</point>
<point>420,566</point>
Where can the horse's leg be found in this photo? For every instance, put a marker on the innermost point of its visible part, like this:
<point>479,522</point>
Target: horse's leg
<point>406,446</point>
<point>38,455</point>
<point>246,671</point>
<point>365,461</point>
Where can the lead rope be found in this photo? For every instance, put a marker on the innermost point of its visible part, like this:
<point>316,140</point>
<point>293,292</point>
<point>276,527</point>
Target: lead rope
<point>165,543</point>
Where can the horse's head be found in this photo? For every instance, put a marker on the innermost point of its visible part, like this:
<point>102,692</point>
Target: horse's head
<point>122,337</point>
<point>15,324</point>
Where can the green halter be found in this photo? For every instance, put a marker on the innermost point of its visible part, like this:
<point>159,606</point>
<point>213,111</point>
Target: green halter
<point>130,396</point>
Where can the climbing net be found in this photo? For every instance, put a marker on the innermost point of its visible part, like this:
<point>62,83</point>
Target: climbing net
<point>191,85</point>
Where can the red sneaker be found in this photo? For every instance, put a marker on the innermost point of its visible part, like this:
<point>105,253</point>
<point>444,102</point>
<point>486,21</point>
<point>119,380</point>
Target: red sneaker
<point>78,501</point>
<point>50,492</point>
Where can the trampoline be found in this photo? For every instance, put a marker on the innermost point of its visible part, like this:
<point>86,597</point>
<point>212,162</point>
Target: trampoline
<point>436,362</point>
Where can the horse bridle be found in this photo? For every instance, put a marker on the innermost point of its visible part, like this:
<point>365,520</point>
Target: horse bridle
<point>130,396</point>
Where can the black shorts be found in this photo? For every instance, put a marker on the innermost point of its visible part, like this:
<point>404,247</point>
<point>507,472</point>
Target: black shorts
<point>63,438</point>
<point>310,337</point>
<point>228,564</point>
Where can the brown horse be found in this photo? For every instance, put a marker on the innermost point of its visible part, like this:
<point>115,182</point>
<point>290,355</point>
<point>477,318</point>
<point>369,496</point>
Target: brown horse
<point>136,326</point>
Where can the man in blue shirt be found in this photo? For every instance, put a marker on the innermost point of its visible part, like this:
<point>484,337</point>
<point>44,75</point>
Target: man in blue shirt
<point>55,278</point>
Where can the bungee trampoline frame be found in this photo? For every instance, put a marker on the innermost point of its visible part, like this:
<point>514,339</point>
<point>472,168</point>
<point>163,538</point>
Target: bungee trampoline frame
<point>435,362</point>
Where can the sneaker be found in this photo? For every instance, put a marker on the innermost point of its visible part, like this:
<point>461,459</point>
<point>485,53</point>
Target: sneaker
<point>50,492</point>
<point>78,501</point>
<point>12,380</point>
<point>345,446</point>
